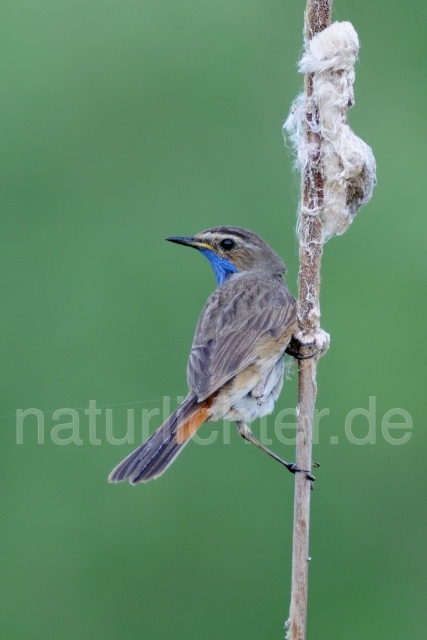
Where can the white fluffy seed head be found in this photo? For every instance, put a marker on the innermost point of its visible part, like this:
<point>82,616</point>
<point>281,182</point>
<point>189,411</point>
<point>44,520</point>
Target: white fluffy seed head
<point>334,49</point>
<point>347,163</point>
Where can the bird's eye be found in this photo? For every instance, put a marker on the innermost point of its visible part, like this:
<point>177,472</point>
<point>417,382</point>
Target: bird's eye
<point>227,244</point>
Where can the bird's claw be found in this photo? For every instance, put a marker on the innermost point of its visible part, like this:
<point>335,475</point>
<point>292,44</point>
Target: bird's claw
<point>294,469</point>
<point>295,347</point>
<point>308,475</point>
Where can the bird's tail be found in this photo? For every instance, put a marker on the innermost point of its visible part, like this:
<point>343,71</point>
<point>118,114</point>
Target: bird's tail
<point>153,457</point>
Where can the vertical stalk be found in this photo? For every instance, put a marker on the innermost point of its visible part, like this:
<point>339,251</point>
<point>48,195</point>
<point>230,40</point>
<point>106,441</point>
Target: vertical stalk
<point>317,18</point>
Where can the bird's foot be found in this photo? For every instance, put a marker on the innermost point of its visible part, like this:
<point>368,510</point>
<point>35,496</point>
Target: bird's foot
<point>305,345</point>
<point>292,467</point>
<point>295,348</point>
<point>247,434</point>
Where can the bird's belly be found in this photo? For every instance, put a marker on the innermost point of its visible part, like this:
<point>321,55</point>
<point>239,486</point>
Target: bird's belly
<point>251,394</point>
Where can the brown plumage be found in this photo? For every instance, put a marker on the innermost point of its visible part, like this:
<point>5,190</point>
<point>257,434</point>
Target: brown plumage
<point>235,369</point>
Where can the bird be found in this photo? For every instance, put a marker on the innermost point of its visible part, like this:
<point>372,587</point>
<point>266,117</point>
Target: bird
<point>236,365</point>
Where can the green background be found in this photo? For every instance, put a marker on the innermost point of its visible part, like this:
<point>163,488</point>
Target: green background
<point>126,122</point>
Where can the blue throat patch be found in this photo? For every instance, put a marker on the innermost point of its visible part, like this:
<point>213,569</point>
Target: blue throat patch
<point>222,267</point>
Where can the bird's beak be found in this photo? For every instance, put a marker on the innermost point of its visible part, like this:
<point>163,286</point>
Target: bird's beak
<point>189,242</point>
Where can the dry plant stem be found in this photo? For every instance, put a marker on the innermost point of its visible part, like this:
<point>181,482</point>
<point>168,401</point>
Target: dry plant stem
<point>317,18</point>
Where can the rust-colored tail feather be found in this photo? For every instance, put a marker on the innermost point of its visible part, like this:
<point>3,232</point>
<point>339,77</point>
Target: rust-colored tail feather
<point>153,457</point>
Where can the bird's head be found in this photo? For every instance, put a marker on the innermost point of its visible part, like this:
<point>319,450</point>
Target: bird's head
<point>232,250</point>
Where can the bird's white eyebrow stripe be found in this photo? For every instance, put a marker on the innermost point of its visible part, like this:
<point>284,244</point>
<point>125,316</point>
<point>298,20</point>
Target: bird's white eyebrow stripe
<point>223,236</point>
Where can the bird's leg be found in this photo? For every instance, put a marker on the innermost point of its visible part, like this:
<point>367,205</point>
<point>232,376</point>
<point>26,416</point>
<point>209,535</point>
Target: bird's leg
<point>247,434</point>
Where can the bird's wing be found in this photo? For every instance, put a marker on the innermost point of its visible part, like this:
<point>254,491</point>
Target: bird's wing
<point>239,318</point>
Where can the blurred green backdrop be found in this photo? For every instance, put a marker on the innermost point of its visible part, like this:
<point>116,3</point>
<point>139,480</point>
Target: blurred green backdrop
<point>123,123</point>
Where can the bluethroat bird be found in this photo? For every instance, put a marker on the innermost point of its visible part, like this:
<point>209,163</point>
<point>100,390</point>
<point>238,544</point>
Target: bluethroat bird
<point>236,364</point>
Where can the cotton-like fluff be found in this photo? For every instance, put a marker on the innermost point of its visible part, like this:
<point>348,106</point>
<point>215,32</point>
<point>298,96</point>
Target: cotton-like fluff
<point>347,162</point>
